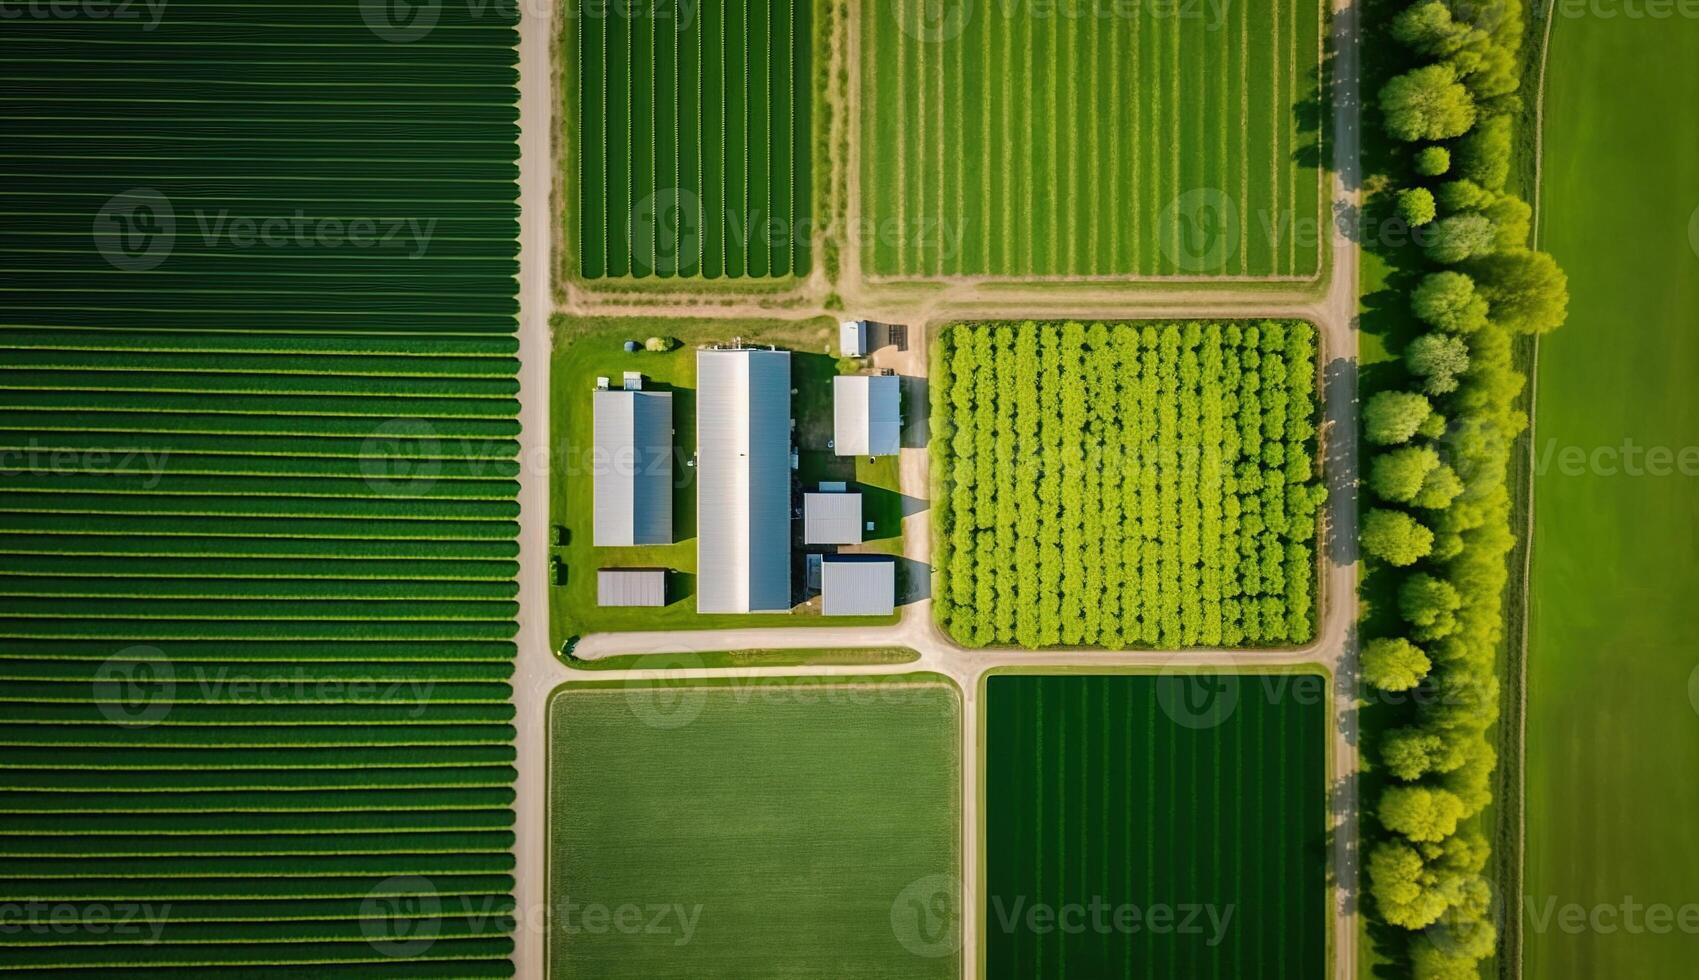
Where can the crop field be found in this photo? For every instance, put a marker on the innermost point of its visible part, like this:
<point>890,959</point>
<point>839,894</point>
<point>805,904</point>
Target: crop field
<point>768,829</point>
<point>1609,806</point>
<point>692,132</point>
<point>1126,485</point>
<point>257,510</point>
<point>587,349</point>
<point>1178,821</point>
<point>1093,140</point>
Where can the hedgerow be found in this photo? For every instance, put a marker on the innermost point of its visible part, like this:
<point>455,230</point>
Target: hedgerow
<point>1127,485</point>
<point>1441,521</point>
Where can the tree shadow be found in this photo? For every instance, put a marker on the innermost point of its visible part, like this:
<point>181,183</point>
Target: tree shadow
<point>914,581</point>
<point>916,412</point>
<point>886,509</point>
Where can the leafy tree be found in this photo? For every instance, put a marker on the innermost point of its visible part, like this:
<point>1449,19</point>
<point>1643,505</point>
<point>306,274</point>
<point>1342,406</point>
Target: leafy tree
<point>1410,753</point>
<point>1512,220</point>
<point>1392,417</point>
<point>1424,814</point>
<point>1398,475</point>
<point>1442,486</point>
<point>1429,28</point>
<point>1464,195</point>
<point>1406,891</point>
<point>1483,155</point>
<point>1448,300</point>
<point>1525,290</point>
<point>1432,427</point>
<point>1394,664</point>
<point>1431,961</point>
<point>1432,161</point>
<point>1430,605</point>
<point>1428,103</point>
<point>1416,206</point>
<point>659,344</point>
<point>1438,359</point>
<point>1458,237</point>
<point>1395,537</point>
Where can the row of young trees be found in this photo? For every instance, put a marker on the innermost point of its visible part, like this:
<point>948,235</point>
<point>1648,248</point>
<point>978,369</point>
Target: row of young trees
<point>1440,522</point>
<point>1127,485</point>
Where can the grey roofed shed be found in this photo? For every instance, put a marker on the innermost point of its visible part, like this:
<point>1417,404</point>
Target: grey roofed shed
<point>858,585</point>
<point>866,415</point>
<point>743,481</point>
<point>631,587</point>
<point>831,518</point>
<point>632,462</point>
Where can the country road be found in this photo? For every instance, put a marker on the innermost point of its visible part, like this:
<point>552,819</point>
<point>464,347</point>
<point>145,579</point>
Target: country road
<point>538,671</point>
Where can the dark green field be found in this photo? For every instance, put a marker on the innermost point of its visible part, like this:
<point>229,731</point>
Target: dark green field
<point>256,499</point>
<point>1110,797</point>
<point>691,124</point>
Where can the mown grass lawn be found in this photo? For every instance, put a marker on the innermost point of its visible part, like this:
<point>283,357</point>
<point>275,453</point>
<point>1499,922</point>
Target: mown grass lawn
<point>586,349</point>
<point>777,829</point>
<point>1613,734</point>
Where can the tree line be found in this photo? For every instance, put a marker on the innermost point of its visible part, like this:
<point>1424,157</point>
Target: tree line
<point>1440,451</point>
<point>1126,485</point>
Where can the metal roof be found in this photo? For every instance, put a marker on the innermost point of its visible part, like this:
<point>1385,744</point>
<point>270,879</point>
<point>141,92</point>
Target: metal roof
<point>858,585</point>
<point>831,518</point>
<point>632,462</point>
<point>852,338</point>
<point>631,587</point>
<point>866,419</point>
<point>743,481</point>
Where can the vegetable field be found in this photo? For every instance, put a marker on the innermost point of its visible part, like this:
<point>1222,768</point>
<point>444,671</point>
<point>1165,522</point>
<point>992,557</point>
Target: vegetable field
<point>1178,822</point>
<point>769,829</point>
<point>257,516</point>
<point>1125,485</point>
<point>691,129</point>
<point>1096,140</point>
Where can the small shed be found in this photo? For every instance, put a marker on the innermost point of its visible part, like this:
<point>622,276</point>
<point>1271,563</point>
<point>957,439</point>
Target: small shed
<point>854,337</point>
<point>867,415</point>
<point>631,587</point>
<point>858,585</point>
<point>831,518</point>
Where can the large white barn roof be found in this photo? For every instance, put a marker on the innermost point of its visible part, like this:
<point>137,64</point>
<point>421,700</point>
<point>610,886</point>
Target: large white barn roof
<point>743,490</point>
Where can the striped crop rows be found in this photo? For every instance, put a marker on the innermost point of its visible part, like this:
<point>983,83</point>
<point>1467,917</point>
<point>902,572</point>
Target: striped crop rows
<point>1096,139</point>
<point>690,127</point>
<point>1126,485</point>
<point>257,493</point>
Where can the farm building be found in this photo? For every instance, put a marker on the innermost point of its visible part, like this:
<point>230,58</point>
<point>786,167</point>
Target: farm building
<point>866,415</point>
<point>743,481</point>
<point>632,463</point>
<point>858,585</point>
<point>631,587</point>
<point>854,338</point>
<point>831,518</point>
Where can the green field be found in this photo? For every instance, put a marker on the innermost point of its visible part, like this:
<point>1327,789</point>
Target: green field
<point>257,510</point>
<point>1096,139</point>
<point>691,130</point>
<point>587,349</point>
<point>778,828</point>
<point>1177,823</point>
<point>1613,700</point>
<point>1163,490</point>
